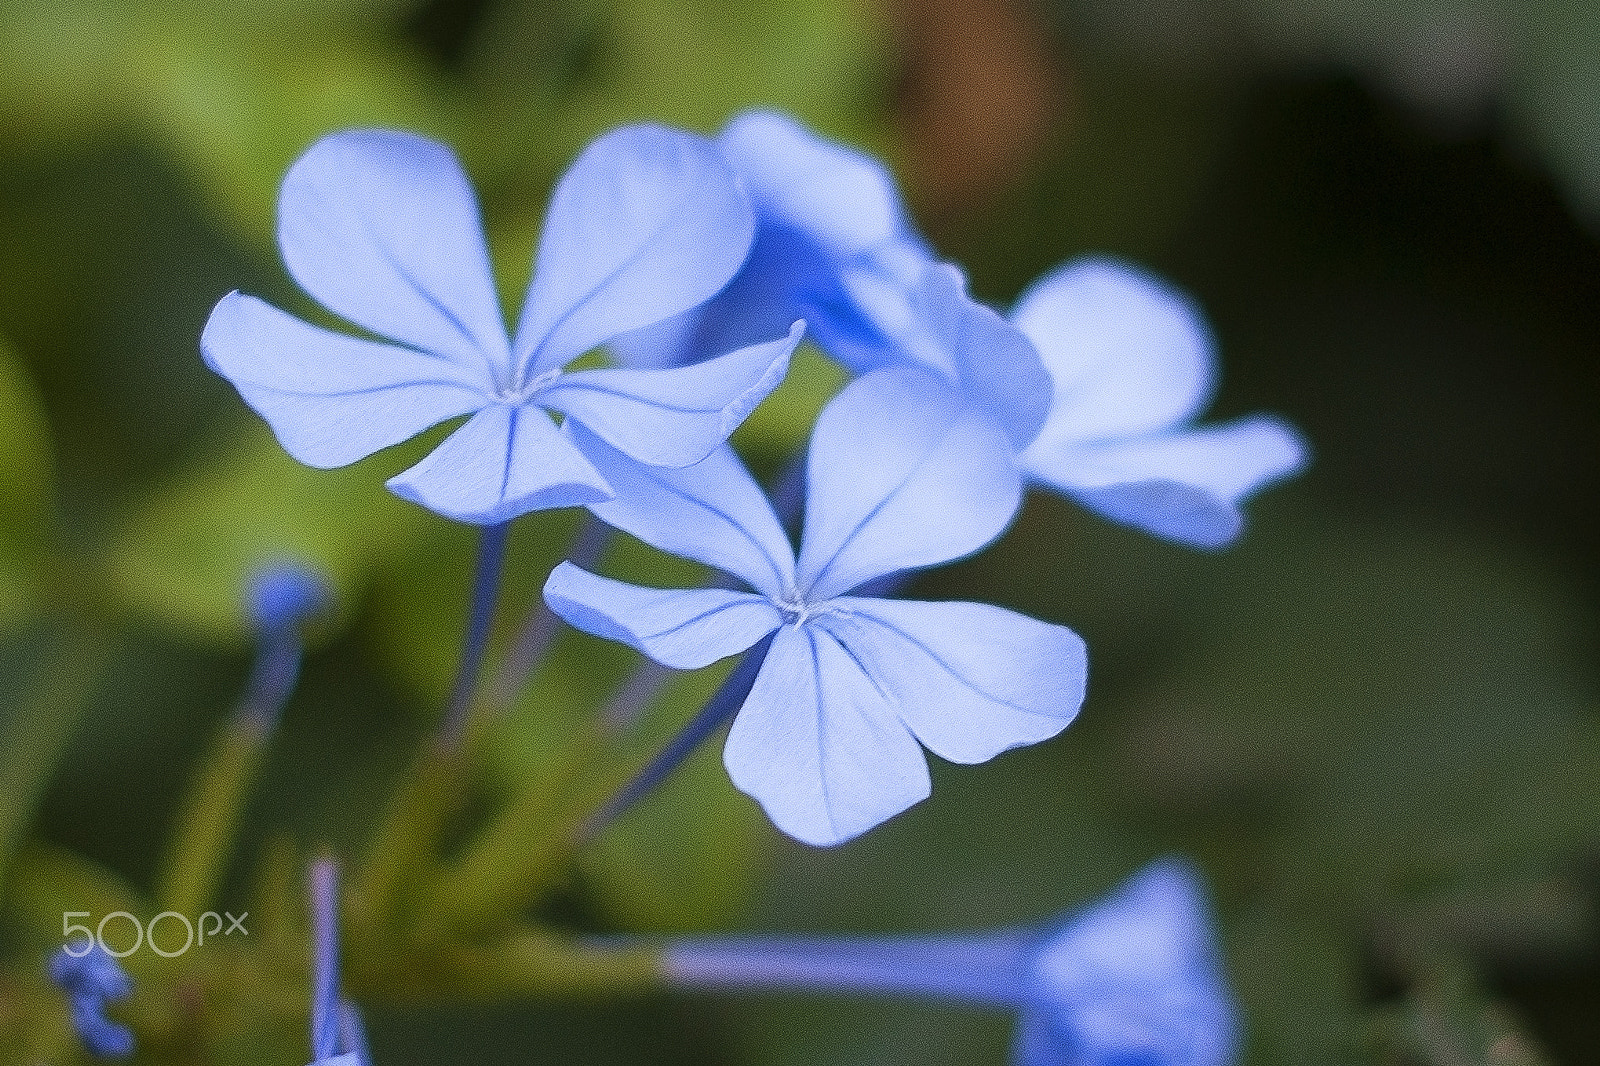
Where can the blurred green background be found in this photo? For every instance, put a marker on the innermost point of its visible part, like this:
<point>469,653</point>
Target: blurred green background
<point>1374,723</point>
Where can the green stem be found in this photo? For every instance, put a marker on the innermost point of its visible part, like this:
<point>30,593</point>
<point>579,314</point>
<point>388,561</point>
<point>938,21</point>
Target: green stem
<point>406,843</point>
<point>518,853</point>
<point>526,962</point>
<point>208,821</point>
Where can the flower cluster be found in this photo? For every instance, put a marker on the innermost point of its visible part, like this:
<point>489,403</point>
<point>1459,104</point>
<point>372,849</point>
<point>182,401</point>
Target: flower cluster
<point>698,265</point>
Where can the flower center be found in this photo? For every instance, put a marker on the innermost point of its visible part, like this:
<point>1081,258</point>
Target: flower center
<point>515,395</point>
<point>796,610</point>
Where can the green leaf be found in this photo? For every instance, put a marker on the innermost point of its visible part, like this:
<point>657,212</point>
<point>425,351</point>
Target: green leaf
<point>238,107</point>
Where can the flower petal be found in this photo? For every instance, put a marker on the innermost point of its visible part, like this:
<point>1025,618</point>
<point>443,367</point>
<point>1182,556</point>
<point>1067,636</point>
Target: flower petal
<point>1129,354</point>
<point>902,473</point>
<point>674,417</point>
<point>504,462</point>
<point>968,679</point>
<point>383,228</point>
<point>712,512</point>
<point>843,200</point>
<point>683,629</point>
<point>647,223</point>
<point>331,399</point>
<point>818,745</point>
<point>1186,487</point>
<point>992,361</point>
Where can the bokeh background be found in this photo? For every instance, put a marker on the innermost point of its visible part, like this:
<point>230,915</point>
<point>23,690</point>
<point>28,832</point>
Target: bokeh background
<point>1373,724</point>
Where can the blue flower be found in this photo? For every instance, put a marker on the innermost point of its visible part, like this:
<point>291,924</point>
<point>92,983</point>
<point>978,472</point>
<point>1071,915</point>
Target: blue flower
<point>834,245</point>
<point>1130,358</point>
<point>1134,980</point>
<point>1133,363</point>
<point>383,229</point>
<point>903,473</point>
<point>91,979</point>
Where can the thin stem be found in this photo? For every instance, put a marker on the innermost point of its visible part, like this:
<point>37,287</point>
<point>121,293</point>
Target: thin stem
<point>635,696</point>
<point>718,710</point>
<point>539,629</point>
<point>485,591</point>
<point>208,819</point>
<point>323,886</point>
<point>272,678</point>
<point>981,968</point>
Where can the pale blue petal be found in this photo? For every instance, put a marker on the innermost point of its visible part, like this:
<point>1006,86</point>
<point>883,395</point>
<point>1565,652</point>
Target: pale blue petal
<point>843,200</point>
<point>830,222</point>
<point>992,361</point>
<point>712,512</point>
<point>1136,978</point>
<point>647,223</point>
<point>902,473</point>
<point>683,629</point>
<point>761,302</point>
<point>1184,486</point>
<point>332,399</point>
<point>1129,354</point>
<point>504,462</point>
<point>968,679</point>
<point>869,319</point>
<point>383,228</point>
<point>818,745</point>
<point>674,417</point>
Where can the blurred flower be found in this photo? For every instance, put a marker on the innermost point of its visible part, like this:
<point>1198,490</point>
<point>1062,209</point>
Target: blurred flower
<point>1134,980</point>
<point>383,228</point>
<point>92,979</point>
<point>833,245</point>
<point>1133,364</point>
<point>284,595</point>
<point>280,599</point>
<point>903,474</point>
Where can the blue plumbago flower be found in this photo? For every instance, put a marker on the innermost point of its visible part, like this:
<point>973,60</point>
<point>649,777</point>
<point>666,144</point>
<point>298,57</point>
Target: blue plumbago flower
<point>1134,980</point>
<point>91,979</point>
<point>903,473</point>
<point>383,228</point>
<point>1131,358</point>
<point>1133,363</point>
<point>833,245</point>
